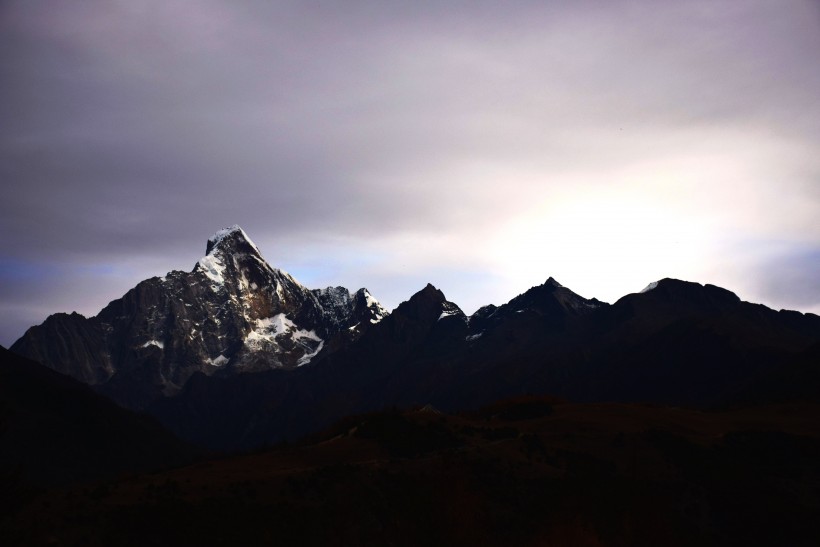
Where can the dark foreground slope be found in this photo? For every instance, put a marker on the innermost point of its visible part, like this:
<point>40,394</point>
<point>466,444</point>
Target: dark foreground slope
<point>527,472</point>
<point>55,430</point>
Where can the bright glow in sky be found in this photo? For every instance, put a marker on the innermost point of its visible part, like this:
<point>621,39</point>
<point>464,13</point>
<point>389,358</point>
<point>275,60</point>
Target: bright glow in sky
<point>481,146</point>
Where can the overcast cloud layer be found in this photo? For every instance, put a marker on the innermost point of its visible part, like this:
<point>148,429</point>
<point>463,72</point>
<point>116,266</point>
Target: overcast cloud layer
<point>480,146</point>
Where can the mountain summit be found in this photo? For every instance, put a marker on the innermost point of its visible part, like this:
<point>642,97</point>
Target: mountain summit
<point>231,240</point>
<point>233,313</point>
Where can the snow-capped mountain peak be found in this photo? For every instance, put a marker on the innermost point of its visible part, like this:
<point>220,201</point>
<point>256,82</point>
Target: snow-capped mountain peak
<point>377,311</point>
<point>233,313</point>
<point>230,249</point>
<point>231,239</point>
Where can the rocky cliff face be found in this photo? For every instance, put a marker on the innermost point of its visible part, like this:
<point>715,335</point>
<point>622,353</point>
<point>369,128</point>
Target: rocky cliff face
<point>233,313</point>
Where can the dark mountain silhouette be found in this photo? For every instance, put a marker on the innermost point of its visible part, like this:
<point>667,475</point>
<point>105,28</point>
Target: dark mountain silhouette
<point>56,430</point>
<point>680,344</point>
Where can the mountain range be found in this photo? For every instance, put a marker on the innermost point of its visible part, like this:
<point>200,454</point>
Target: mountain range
<point>236,354</point>
<point>679,415</point>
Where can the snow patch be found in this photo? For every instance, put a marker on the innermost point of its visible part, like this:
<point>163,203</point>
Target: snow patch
<point>649,287</point>
<point>218,361</point>
<point>448,309</point>
<point>156,343</point>
<point>375,306</point>
<point>305,359</point>
<point>474,336</point>
<point>267,330</point>
<point>370,300</point>
<point>213,268</point>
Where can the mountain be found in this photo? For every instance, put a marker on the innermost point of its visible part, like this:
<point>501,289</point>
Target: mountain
<point>233,313</point>
<point>386,366</point>
<point>680,344</point>
<point>55,430</point>
<point>235,353</point>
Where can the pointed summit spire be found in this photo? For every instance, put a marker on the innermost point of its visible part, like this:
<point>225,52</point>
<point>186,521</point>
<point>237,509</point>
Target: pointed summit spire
<point>223,249</point>
<point>429,293</point>
<point>552,282</point>
<point>427,305</point>
<point>231,240</point>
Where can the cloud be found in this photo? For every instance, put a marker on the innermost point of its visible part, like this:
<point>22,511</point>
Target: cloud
<point>793,279</point>
<point>361,140</point>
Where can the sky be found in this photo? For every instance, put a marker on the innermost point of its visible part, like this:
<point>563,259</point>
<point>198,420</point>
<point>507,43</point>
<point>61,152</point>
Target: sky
<point>482,146</point>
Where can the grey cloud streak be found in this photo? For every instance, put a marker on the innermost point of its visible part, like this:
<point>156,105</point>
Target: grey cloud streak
<point>349,138</point>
